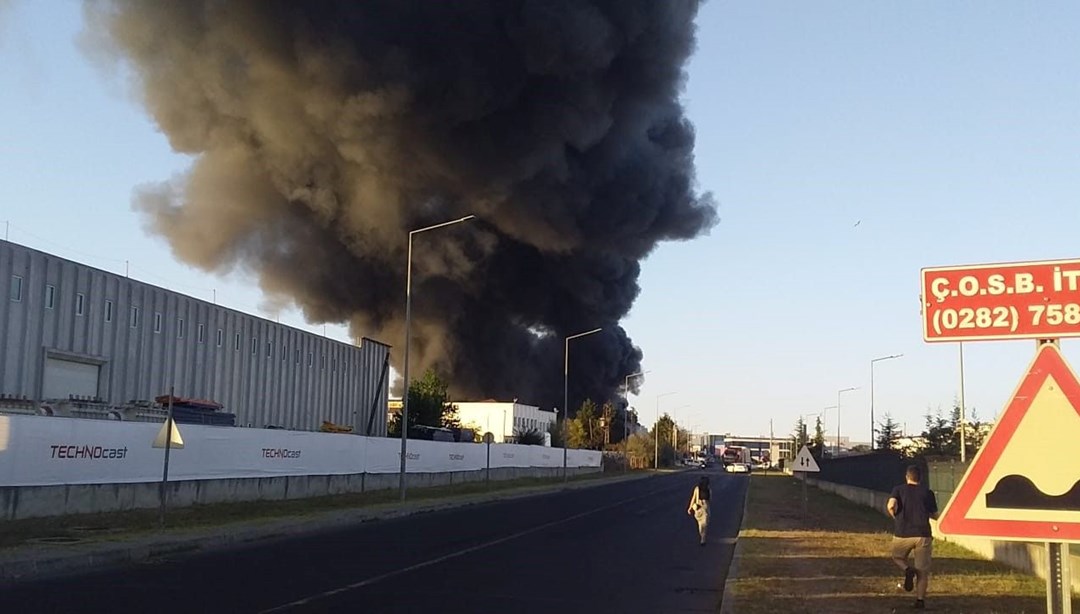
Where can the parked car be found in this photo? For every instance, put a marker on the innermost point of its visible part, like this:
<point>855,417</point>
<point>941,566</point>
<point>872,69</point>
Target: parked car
<point>738,468</point>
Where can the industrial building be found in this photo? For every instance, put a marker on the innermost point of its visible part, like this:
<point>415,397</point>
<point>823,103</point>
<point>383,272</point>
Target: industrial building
<point>72,333</point>
<point>504,420</point>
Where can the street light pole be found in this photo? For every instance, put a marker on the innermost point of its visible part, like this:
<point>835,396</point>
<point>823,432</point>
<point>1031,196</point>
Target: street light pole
<point>872,362</point>
<point>626,416</point>
<point>656,431</point>
<point>675,428</point>
<point>566,391</point>
<point>963,410</point>
<point>838,393</point>
<point>408,324</point>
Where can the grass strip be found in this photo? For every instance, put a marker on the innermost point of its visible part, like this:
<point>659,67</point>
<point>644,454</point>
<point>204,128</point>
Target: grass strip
<point>835,560</point>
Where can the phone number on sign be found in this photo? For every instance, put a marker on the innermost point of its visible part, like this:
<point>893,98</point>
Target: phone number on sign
<point>1005,318</point>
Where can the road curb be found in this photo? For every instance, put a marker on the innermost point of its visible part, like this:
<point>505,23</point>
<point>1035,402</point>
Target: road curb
<point>23,564</point>
<point>727,600</point>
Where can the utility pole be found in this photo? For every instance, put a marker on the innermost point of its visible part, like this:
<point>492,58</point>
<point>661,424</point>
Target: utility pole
<point>963,410</point>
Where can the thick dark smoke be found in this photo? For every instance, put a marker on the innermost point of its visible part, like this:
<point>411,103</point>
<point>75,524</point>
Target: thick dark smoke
<point>323,131</point>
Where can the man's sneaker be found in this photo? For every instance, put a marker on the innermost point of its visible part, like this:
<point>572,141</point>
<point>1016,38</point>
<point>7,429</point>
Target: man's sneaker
<point>909,579</point>
<point>920,604</point>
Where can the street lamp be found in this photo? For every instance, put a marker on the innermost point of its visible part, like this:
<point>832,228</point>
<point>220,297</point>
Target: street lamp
<point>675,428</point>
<point>408,324</point>
<point>872,362</point>
<point>656,431</point>
<point>838,393</point>
<point>626,416</point>
<point>963,410</point>
<point>566,392</point>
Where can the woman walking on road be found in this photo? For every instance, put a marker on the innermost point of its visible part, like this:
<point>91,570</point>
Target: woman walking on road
<point>699,507</point>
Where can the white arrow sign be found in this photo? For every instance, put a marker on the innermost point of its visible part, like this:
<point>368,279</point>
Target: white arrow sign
<point>805,462</point>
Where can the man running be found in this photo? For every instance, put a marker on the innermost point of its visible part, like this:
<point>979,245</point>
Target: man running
<point>912,506</point>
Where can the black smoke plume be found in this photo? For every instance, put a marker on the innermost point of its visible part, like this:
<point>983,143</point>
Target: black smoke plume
<point>322,132</point>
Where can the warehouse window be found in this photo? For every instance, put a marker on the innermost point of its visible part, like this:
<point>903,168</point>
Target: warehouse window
<point>133,317</point>
<point>322,362</point>
<point>180,328</point>
<point>220,337</point>
<point>157,321</point>
<point>284,352</point>
<point>310,359</point>
<point>79,300</point>
<point>254,345</point>
<point>333,365</point>
<point>269,349</point>
<point>297,356</point>
<point>16,288</point>
<point>202,333</point>
<point>237,344</point>
<point>108,311</point>
<point>344,366</point>
<point>50,297</point>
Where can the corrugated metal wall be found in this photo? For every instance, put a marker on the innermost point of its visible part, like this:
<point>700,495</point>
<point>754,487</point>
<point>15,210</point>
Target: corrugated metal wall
<point>264,372</point>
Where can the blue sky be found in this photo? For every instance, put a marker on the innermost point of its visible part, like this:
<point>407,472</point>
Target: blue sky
<point>950,132</point>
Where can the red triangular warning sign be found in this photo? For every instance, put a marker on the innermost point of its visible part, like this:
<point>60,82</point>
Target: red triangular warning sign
<point>1024,484</point>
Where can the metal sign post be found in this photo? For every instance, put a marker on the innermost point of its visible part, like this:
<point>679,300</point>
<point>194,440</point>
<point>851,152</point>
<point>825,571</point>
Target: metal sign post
<point>165,468</point>
<point>805,505</point>
<point>1058,587</point>
<point>488,438</point>
<point>805,464</point>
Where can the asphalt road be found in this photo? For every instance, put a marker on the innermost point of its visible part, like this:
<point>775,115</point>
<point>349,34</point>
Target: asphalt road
<point>625,547</point>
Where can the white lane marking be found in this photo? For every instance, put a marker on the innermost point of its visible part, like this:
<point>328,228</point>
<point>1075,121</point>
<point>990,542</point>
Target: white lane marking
<point>458,553</point>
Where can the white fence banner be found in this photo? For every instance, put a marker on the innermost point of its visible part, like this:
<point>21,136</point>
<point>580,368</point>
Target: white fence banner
<point>546,457</point>
<point>38,450</point>
<point>383,455</point>
<point>225,452</point>
<point>583,458</point>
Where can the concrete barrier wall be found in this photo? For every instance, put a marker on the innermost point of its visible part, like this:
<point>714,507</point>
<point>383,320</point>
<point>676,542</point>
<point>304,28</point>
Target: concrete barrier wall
<point>19,502</point>
<point>1027,557</point>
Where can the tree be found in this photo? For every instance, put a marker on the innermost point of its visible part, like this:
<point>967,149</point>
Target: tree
<point>818,443</point>
<point>607,420</point>
<point>585,431</point>
<point>888,433</point>
<point>529,437</point>
<point>640,450</point>
<point>939,434</point>
<point>576,437</point>
<point>478,433</point>
<point>555,429</point>
<point>943,434</point>
<point>976,432</point>
<point>660,437</point>
<point>799,437</point>
<point>428,405</point>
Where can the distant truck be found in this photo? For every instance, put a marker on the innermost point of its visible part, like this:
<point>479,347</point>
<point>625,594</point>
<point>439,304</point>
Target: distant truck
<point>736,455</point>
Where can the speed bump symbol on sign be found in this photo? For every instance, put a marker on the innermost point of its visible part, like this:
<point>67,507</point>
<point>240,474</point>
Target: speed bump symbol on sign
<point>1024,483</point>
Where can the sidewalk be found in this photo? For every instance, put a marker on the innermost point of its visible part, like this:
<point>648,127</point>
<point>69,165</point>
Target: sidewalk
<point>836,561</point>
<point>50,547</point>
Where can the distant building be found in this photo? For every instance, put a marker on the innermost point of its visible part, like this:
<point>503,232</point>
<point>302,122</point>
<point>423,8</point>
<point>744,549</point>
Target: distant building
<point>762,448</point>
<point>504,420</point>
